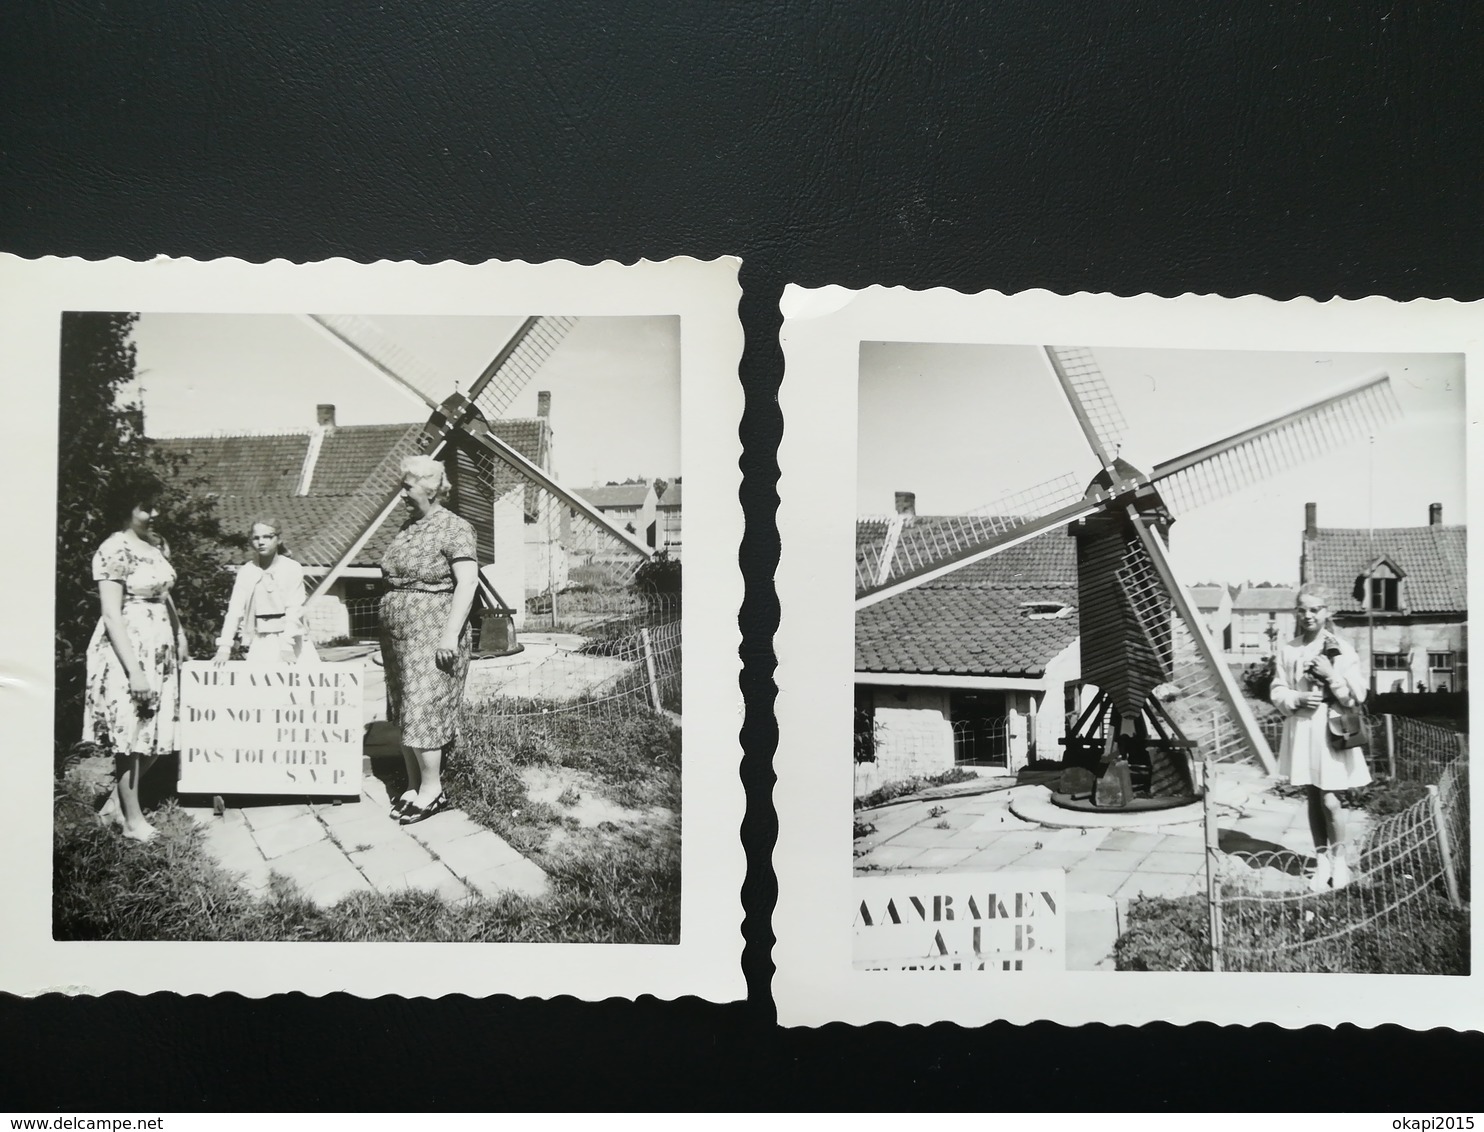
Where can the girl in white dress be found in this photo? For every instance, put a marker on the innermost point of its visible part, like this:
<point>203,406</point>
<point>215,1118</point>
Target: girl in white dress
<point>267,605</point>
<point>1315,673</point>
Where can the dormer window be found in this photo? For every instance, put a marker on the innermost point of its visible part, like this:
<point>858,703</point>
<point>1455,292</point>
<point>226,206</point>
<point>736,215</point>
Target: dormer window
<point>1380,587</point>
<point>1045,610</point>
<point>1384,595</point>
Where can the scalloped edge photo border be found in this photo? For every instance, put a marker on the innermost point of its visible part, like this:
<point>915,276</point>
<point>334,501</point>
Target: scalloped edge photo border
<point>705,296</point>
<point>823,328</point>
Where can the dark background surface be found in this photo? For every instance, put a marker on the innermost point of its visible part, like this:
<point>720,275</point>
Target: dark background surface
<point>1184,145</point>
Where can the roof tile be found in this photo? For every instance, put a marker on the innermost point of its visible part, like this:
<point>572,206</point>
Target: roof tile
<point>1434,559</point>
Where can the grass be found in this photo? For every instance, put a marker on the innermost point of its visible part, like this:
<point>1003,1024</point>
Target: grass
<point>617,882</point>
<point>1172,935</point>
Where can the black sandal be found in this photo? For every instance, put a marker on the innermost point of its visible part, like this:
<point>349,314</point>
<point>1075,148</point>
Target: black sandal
<point>413,813</point>
<point>399,807</point>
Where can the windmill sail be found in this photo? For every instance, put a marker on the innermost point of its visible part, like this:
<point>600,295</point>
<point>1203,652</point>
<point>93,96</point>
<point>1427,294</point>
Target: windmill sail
<point>1092,401</point>
<point>916,550</point>
<point>484,468</point>
<point>1229,465</point>
<point>1199,693</point>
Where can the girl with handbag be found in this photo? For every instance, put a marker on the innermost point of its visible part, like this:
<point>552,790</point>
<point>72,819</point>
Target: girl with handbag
<point>1318,688</point>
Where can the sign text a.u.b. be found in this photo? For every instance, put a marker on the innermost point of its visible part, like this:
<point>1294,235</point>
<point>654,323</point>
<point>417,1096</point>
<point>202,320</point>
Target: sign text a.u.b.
<point>279,729</point>
<point>1002,921</point>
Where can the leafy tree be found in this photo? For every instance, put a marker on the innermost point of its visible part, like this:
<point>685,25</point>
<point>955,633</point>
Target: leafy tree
<point>105,463</point>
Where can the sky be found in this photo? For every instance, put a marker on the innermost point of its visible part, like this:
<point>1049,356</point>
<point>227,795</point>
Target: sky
<point>614,382</point>
<point>961,425</point>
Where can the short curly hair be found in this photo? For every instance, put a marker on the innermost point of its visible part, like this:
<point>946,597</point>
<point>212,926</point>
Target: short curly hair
<point>430,473</point>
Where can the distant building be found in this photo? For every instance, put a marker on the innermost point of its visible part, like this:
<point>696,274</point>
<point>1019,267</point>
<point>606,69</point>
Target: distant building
<point>317,482</point>
<point>627,505</point>
<point>1261,619</point>
<point>978,668</point>
<point>1399,595</point>
<point>668,509</point>
<point>1214,603</point>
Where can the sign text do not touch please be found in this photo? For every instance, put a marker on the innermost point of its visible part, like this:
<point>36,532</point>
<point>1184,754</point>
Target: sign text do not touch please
<point>280,729</point>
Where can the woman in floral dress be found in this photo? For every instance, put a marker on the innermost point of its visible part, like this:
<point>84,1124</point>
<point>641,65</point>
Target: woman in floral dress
<point>133,662</point>
<point>430,567</point>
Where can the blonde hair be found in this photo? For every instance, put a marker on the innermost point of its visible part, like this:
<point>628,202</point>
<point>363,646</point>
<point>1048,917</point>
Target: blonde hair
<point>430,473</point>
<point>272,524</point>
<point>1314,590</point>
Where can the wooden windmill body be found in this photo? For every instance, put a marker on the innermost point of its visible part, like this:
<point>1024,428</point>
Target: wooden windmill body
<point>1165,696</point>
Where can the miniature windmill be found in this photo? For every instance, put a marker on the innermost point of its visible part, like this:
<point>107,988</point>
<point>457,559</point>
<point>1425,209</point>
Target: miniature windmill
<point>1164,691</point>
<point>481,465</point>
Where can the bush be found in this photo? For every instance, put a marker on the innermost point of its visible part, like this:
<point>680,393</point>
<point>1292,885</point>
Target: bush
<point>913,785</point>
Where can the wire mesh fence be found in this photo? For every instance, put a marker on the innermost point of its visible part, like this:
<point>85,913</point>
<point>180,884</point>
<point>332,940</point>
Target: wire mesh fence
<point>1403,905</point>
<point>579,659</point>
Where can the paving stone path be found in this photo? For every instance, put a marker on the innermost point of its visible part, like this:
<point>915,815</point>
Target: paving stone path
<point>331,851</point>
<point>1108,861</point>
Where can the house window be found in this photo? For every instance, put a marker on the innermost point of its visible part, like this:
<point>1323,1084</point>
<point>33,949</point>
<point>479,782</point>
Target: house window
<point>1384,594</point>
<point>1045,610</point>
<point>1391,662</point>
<point>1440,672</point>
<point>981,728</point>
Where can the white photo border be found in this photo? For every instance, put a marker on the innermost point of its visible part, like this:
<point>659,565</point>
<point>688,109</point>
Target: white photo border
<point>705,296</point>
<point>823,329</point>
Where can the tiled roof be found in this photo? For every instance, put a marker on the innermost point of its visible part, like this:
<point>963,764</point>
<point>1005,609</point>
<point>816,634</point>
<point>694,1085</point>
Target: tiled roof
<point>351,453</point>
<point>973,621</point>
<point>1264,599</point>
<point>245,465</point>
<point>254,476</point>
<point>1050,557</point>
<point>1433,558</point>
<point>671,498</point>
<point>968,631</point>
<point>1207,597</point>
<point>615,494</point>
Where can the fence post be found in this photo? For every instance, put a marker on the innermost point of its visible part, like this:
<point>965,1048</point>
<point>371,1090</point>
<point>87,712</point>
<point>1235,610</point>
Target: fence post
<point>654,683</point>
<point>1440,823</point>
<point>1390,747</point>
<point>1213,879</point>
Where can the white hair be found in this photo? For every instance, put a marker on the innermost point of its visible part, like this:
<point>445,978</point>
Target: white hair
<point>430,473</point>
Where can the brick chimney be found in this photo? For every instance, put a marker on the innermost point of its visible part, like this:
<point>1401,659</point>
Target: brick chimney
<point>1311,533</point>
<point>907,503</point>
<point>324,416</point>
<point>543,404</point>
<point>1434,514</point>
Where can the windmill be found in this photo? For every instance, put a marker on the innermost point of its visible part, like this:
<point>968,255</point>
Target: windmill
<point>1165,696</point>
<point>481,465</point>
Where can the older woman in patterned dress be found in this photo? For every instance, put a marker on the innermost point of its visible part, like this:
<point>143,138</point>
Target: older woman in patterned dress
<point>431,569</point>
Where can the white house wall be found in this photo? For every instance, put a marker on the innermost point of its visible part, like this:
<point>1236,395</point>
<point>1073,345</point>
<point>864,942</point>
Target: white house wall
<point>508,571</point>
<point>913,737</point>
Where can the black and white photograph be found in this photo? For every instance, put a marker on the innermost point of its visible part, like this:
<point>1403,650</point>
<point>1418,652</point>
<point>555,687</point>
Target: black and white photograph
<point>1110,665</point>
<point>369,629</point>
<point>1159,654</point>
